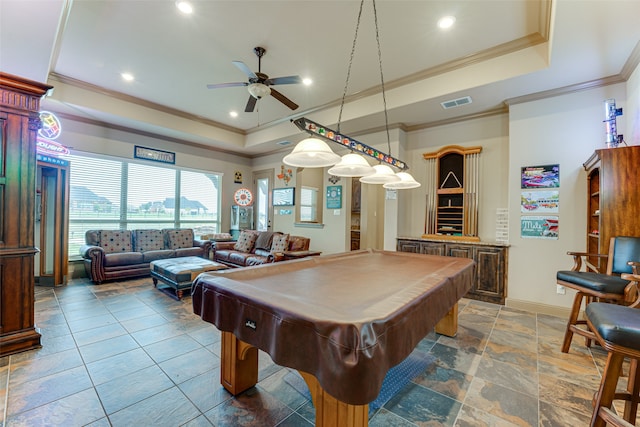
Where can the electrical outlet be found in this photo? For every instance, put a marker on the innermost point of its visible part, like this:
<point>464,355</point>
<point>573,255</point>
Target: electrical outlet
<point>560,289</point>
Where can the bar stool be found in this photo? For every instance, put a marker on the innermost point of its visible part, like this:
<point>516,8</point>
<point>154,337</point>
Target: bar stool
<point>617,329</point>
<point>593,285</point>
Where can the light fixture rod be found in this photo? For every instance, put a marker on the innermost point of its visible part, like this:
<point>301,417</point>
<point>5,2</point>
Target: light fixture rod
<point>318,130</point>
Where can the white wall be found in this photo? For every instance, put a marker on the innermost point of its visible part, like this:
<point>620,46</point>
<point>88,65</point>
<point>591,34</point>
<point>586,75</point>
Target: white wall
<point>631,110</point>
<point>562,130</point>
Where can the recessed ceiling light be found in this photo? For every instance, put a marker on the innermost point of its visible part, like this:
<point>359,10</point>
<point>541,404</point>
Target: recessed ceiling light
<point>446,22</point>
<point>233,113</point>
<point>307,81</point>
<point>184,6</point>
<point>127,76</point>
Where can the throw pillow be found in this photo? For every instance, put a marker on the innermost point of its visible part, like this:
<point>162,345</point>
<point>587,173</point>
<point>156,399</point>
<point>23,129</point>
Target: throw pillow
<point>113,241</point>
<point>179,238</point>
<point>280,243</point>
<point>264,240</point>
<point>245,242</point>
<point>147,240</point>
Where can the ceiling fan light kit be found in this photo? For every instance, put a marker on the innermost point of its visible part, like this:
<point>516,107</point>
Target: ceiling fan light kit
<point>259,83</point>
<point>405,182</point>
<point>383,174</point>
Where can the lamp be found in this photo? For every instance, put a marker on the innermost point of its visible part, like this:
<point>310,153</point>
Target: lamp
<point>383,174</point>
<point>405,182</point>
<point>311,153</point>
<point>259,90</point>
<point>352,165</point>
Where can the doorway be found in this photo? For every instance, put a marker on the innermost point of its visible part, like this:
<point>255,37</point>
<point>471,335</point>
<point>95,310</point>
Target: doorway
<point>52,223</point>
<point>263,186</point>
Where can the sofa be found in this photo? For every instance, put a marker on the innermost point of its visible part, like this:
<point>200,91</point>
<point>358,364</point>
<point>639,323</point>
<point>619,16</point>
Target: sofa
<point>257,247</point>
<point>120,254</point>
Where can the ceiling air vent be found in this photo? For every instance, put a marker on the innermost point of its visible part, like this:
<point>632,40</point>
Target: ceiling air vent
<point>456,102</point>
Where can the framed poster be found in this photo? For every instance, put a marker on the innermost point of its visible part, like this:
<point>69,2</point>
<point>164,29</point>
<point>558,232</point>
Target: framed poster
<point>284,196</point>
<point>154,155</point>
<point>334,197</point>
<point>539,227</point>
<point>537,202</point>
<point>547,176</point>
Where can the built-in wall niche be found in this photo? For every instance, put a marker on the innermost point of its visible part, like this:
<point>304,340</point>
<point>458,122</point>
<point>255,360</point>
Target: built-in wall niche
<point>452,193</point>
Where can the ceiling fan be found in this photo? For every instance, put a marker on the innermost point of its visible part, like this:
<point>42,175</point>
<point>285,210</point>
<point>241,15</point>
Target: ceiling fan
<point>259,83</point>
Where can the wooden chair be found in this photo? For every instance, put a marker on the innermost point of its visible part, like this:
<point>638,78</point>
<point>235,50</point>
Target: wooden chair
<point>617,329</point>
<point>593,285</point>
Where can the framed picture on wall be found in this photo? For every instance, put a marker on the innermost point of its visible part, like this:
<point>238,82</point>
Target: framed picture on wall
<point>284,196</point>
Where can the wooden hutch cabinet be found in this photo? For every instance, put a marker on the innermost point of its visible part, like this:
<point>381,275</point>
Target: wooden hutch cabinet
<point>491,263</point>
<point>613,197</point>
<point>19,124</point>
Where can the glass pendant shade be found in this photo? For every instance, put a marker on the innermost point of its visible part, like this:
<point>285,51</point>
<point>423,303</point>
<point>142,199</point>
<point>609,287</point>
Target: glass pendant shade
<point>406,181</point>
<point>311,153</point>
<point>352,165</point>
<point>384,174</point>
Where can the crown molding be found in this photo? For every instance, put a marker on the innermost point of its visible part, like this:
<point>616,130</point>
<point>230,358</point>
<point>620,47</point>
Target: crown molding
<point>565,90</point>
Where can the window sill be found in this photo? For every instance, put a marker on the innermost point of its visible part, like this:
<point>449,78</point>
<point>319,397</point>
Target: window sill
<point>308,225</point>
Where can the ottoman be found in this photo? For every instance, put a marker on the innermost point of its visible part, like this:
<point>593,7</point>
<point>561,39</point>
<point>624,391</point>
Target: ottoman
<point>179,273</point>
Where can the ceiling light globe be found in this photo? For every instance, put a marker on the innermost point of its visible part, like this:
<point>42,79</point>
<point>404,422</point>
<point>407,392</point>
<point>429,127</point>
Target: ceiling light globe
<point>383,174</point>
<point>259,90</point>
<point>406,182</point>
<point>311,153</point>
<point>352,165</point>
<point>446,22</point>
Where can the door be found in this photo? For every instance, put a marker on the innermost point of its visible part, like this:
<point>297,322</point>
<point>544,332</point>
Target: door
<point>52,224</point>
<point>263,185</point>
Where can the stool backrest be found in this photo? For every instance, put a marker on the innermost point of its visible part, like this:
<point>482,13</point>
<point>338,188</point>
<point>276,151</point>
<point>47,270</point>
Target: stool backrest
<point>622,250</point>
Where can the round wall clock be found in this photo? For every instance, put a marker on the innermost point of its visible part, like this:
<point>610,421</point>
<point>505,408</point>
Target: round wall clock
<point>243,197</point>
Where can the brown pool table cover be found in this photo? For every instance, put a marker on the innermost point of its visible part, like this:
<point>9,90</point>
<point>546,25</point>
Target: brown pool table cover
<point>345,318</point>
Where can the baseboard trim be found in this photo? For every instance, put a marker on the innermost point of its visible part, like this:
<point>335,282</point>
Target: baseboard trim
<point>536,307</point>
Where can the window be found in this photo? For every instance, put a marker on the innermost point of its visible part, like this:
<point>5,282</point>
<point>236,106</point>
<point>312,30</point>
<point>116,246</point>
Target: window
<point>309,204</point>
<point>113,194</point>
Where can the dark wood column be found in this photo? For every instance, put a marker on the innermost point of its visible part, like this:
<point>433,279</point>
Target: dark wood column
<point>19,123</point>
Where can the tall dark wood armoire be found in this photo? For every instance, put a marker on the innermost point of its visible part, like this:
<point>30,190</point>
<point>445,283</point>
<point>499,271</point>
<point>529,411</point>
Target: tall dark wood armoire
<point>19,123</point>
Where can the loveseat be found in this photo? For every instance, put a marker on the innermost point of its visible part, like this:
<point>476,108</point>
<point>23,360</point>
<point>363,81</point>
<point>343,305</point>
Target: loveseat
<point>119,254</point>
<point>258,247</point>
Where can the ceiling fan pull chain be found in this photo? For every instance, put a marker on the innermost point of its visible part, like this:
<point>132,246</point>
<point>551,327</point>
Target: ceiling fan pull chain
<point>353,50</point>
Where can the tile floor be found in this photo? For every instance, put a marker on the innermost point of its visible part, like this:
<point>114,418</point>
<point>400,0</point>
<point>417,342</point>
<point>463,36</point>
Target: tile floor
<point>125,354</point>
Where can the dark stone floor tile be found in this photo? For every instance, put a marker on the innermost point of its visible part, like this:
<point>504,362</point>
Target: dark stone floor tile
<point>201,421</point>
<point>449,382</point>
<point>277,386</point>
<point>251,408</point>
<point>79,409</point>
<point>156,333</point>
<point>421,405</point>
<point>169,408</point>
<point>172,347</point>
<point>453,358</point>
<point>295,420</point>
<point>120,365</point>
<point>189,365</point>
<point>205,390</point>
<point>99,334</point>
<point>31,394</point>
<point>518,408</point>
<point>107,348</point>
<point>23,370</point>
<point>553,415</point>
<point>124,391</point>
<point>472,417</point>
<point>141,323</point>
<point>93,322</point>
<point>515,377</point>
<point>384,418</point>
<point>566,394</point>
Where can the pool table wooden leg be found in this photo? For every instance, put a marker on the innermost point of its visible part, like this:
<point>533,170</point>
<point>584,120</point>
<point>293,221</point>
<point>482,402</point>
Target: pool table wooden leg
<point>239,368</point>
<point>331,412</point>
<point>448,325</point>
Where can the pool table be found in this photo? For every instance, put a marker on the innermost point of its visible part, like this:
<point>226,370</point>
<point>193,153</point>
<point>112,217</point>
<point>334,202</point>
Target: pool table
<point>341,320</point>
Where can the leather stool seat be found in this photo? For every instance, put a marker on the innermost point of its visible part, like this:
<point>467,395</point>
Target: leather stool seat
<point>594,281</point>
<point>617,329</point>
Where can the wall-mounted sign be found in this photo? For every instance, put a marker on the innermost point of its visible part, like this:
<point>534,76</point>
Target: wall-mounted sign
<point>334,197</point>
<point>154,155</point>
<point>50,127</point>
<point>47,146</point>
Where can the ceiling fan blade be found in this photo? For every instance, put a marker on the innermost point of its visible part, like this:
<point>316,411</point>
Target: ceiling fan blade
<point>286,101</point>
<point>219,85</point>
<point>289,80</point>
<point>251,104</point>
<point>243,67</point>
